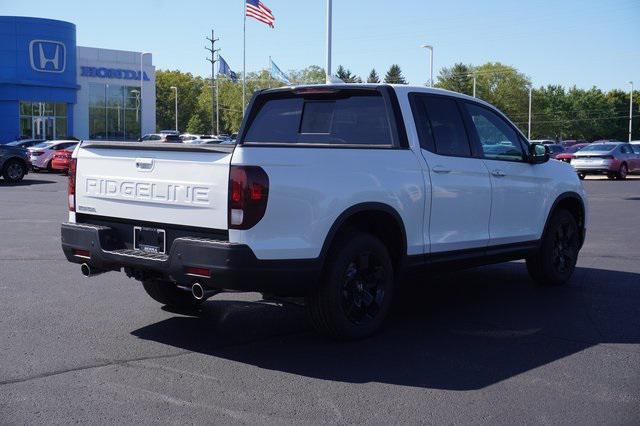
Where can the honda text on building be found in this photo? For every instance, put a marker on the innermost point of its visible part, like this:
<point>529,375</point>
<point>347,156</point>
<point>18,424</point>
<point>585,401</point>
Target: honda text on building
<point>330,193</point>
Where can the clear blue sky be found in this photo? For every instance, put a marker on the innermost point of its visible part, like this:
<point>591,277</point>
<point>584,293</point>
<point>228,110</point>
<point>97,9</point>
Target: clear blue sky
<point>569,42</point>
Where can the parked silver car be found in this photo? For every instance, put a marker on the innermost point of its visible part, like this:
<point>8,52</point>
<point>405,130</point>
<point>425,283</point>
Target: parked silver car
<point>614,159</point>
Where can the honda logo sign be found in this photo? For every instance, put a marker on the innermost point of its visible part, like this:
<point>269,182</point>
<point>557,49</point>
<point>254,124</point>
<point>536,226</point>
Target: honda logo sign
<point>48,56</point>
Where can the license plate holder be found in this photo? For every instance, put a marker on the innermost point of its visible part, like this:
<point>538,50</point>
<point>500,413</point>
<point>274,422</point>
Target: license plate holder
<point>150,240</point>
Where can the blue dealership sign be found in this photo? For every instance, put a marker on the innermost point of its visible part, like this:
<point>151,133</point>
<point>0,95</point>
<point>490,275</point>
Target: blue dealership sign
<point>116,73</point>
<point>48,56</point>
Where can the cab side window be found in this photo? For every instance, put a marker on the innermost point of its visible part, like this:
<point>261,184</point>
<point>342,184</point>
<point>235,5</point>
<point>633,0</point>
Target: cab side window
<point>440,126</point>
<point>499,141</point>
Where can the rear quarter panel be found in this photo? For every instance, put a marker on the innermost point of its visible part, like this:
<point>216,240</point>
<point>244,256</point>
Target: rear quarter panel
<point>310,187</point>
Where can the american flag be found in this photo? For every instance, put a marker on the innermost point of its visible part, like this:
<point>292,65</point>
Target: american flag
<point>257,10</point>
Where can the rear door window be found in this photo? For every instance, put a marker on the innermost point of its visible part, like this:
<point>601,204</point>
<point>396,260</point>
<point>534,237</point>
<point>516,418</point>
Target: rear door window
<point>335,119</point>
<point>440,126</point>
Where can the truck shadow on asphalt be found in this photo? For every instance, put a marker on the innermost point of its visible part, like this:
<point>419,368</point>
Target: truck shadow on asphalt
<point>26,182</point>
<point>460,331</point>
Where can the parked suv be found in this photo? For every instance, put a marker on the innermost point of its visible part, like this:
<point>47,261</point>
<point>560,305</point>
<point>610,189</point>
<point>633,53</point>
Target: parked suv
<point>330,193</point>
<point>14,163</point>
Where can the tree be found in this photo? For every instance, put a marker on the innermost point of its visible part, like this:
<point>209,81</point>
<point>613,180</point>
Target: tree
<point>506,88</point>
<point>394,75</point>
<point>310,75</point>
<point>196,125</point>
<point>373,77</point>
<point>189,88</point>
<point>345,75</point>
<point>458,78</point>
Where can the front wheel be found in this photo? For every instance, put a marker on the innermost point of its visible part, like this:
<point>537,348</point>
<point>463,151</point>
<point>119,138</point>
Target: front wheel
<point>169,294</point>
<point>556,259</point>
<point>622,173</point>
<point>356,288</point>
<point>14,171</point>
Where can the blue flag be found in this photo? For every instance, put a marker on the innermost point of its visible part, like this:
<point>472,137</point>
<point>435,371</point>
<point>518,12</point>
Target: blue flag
<point>277,73</point>
<point>225,69</point>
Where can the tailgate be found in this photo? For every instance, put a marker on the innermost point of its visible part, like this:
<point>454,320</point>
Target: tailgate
<point>164,183</point>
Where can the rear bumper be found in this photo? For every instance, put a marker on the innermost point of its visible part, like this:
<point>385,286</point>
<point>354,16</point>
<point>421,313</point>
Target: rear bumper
<point>233,266</point>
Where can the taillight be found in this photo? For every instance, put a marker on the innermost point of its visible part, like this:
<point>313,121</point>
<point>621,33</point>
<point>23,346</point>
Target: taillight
<point>71,188</point>
<point>248,193</point>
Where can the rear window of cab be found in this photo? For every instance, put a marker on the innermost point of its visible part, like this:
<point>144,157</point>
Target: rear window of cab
<point>339,118</point>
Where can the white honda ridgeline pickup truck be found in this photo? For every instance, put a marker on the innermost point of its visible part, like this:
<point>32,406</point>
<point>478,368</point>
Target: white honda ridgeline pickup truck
<point>330,193</point>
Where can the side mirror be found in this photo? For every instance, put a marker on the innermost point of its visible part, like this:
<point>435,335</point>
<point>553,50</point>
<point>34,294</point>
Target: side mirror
<point>538,153</point>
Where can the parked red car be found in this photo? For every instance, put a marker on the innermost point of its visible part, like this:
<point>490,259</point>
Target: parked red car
<point>61,159</point>
<point>567,155</point>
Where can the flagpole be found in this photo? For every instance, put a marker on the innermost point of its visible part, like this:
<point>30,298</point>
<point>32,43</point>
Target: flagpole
<point>244,56</point>
<point>269,71</point>
<point>328,71</point>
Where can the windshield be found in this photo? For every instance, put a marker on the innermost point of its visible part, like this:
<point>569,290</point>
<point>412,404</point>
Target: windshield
<point>598,147</point>
<point>43,145</point>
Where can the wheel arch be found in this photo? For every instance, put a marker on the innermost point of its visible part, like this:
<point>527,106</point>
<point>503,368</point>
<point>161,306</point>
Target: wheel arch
<point>7,160</point>
<point>371,217</point>
<point>572,202</point>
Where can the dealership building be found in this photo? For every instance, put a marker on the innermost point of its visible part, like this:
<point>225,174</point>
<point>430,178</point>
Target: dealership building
<point>50,88</point>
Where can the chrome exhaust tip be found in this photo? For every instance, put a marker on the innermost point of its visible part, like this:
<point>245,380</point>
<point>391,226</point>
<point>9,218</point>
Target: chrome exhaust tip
<point>199,292</point>
<point>89,271</point>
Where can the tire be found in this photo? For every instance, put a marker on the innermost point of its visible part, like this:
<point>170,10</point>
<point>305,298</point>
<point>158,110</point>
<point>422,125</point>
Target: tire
<point>14,171</point>
<point>356,288</point>
<point>622,173</point>
<point>581,176</point>
<point>49,167</point>
<point>556,259</point>
<point>168,294</point>
<point>611,176</point>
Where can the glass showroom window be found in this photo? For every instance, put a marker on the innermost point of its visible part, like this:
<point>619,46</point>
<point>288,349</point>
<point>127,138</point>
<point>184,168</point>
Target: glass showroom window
<point>38,119</point>
<point>114,112</point>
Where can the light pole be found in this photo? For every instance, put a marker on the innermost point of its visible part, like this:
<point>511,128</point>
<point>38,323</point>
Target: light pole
<point>428,46</point>
<point>529,130</point>
<point>176,92</point>
<point>630,109</point>
<point>142,91</point>
<point>474,85</point>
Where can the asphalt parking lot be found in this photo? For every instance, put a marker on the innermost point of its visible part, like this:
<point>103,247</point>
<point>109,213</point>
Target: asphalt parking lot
<point>477,346</point>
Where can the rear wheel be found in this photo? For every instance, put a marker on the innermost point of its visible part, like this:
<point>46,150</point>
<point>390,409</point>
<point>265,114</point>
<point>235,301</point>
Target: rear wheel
<point>169,294</point>
<point>556,259</point>
<point>14,171</point>
<point>355,293</point>
<point>622,173</point>
<point>611,175</point>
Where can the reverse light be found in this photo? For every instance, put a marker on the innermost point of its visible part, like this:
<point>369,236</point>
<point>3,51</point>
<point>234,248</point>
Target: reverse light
<point>248,194</point>
<point>71,187</point>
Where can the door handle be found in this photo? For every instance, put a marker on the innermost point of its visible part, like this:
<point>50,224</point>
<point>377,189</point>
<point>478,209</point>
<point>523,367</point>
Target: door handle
<point>498,173</point>
<point>440,169</point>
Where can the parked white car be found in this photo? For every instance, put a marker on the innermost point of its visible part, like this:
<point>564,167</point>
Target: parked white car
<point>41,154</point>
<point>331,193</point>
